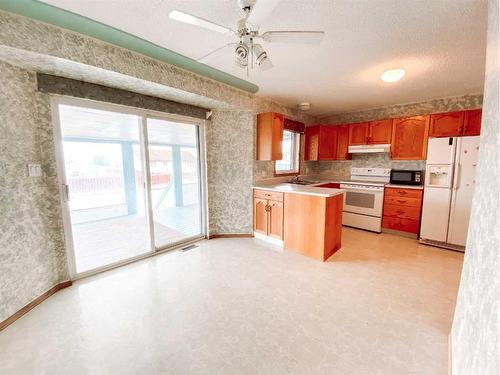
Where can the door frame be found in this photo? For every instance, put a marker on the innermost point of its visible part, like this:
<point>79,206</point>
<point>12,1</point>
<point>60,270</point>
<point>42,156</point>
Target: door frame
<point>143,114</point>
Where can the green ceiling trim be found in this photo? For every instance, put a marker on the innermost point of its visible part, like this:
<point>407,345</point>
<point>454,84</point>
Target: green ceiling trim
<point>84,25</point>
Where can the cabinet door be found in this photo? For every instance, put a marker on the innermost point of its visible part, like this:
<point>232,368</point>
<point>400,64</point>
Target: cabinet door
<point>276,219</point>
<point>277,137</point>
<point>472,122</point>
<point>260,215</point>
<point>409,138</point>
<point>358,133</point>
<point>311,149</point>
<point>269,136</point>
<point>327,143</point>
<point>343,142</point>
<point>446,124</point>
<point>380,132</point>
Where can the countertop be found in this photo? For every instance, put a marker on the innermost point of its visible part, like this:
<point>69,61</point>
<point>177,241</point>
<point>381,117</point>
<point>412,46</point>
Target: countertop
<point>415,187</point>
<point>301,189</point>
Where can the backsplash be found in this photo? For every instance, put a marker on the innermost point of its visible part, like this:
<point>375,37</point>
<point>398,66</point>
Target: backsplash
<point>341,170</point>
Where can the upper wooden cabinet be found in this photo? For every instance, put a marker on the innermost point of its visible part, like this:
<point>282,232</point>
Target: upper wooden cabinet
<point>409,138</point>
<point>321,142</point>
<point>373,132</point>
<point>269,136</point>
<point>358,133</point>
<point>472,122</point>
<point>343,142</point>
<point>446,124</point>
<point>456,124</point>
<point>380,132</point>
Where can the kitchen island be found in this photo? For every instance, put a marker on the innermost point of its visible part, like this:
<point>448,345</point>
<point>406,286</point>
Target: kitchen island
<point>306,218</point>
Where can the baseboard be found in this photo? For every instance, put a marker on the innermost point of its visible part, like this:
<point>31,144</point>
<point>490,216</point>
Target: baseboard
<point>38,300</point>
<point>229,235</point>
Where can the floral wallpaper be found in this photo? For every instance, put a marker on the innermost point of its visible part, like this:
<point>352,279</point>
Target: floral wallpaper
<point>455,103</point>
<point>31,240</point>
<point>475,336</point>
<point>230,155</point>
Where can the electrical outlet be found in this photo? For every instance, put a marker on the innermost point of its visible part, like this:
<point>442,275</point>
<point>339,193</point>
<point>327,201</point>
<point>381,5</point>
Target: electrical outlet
<point>34,170</point>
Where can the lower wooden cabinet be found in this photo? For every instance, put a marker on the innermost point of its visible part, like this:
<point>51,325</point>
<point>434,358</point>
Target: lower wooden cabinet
<point>268,213</point>
<point>402,209</point>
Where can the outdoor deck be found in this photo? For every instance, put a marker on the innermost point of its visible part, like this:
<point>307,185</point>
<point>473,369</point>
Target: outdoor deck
<point>108,241</point>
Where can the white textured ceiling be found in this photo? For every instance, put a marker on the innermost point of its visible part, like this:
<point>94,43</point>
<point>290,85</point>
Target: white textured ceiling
<point>441,44</point>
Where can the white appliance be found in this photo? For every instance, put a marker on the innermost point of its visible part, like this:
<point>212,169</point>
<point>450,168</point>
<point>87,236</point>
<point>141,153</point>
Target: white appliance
<point>364,198</point>
<point>449,185</point>
<point>369,149</point>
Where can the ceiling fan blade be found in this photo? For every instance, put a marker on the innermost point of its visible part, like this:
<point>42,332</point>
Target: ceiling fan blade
<point>180,16</point>
<point>261,10</point>
<point>204,57</point>
<point>306,37</point>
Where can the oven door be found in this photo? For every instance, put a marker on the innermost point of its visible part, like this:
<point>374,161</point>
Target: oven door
<point>365,201</point>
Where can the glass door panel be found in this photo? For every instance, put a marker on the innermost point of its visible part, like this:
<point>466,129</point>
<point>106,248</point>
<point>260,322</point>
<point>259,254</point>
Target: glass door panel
<point>175,181</point>
<point>104,176</point>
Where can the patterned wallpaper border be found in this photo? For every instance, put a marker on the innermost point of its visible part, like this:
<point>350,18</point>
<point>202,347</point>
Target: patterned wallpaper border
<point>450,104</point>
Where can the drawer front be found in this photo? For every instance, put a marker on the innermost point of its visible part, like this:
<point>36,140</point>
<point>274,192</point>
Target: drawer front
<point>404,225</point>
<point>267,194</point>
<point>402,201</point>
<point>402,212</point>
<point>407,193</point>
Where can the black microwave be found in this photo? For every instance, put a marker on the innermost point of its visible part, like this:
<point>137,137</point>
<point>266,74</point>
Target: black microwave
<point>406,177</point>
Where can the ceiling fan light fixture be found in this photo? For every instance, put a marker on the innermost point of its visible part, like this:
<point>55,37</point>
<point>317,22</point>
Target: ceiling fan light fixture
<point>261,57</point>
<point>177,15</point>
<point>241,51</point>
<point>392,75</point>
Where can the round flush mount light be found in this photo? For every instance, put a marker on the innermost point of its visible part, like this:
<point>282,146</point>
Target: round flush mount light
<point>392,75</point>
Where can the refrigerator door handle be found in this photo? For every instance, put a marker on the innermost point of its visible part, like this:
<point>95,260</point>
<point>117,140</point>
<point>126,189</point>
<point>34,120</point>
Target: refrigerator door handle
<point>456,175</point>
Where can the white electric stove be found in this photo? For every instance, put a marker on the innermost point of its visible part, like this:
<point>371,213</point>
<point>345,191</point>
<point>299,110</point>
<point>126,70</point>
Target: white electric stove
<point>364,198</point>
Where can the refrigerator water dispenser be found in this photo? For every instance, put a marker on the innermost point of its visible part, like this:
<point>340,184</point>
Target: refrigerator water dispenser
<point>439,176</point>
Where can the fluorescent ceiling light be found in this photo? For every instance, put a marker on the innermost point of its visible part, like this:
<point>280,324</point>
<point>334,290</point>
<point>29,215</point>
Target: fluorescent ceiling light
<point>392,75</point>
<point>197,21</point>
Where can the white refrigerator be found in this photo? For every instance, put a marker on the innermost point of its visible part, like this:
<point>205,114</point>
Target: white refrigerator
<point>449,186</point>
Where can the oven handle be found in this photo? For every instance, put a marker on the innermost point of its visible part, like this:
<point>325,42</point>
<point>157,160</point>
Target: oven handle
<point>375,191</point>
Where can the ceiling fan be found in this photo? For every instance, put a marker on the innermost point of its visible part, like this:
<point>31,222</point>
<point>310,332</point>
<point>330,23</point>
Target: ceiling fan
<point>247,49</point>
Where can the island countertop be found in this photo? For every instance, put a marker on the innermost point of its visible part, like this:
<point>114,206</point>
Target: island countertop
<point>312,189</point>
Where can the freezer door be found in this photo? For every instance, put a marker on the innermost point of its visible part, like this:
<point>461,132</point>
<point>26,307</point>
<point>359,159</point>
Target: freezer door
<point>463,189</point>
<point>435,214</point>
<point>441,150</point>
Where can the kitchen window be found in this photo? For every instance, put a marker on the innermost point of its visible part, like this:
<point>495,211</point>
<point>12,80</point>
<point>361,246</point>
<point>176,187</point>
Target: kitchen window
<point>289,164</point>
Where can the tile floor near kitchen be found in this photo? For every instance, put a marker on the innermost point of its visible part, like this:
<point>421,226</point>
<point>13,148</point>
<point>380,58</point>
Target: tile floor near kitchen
<point>381,305</point>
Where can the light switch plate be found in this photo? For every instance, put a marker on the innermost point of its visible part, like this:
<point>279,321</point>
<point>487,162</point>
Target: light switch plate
<point>34,170</point>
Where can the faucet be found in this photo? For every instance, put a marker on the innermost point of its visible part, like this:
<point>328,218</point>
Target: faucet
<point>296,178</point>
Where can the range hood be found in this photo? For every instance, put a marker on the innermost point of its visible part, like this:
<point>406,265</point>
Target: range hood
<point>369,149</point>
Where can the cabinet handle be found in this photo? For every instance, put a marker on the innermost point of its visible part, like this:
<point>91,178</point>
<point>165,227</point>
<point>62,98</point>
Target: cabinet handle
<point>268,208</point>
<point>401,212</point>
<point>400,201</point>
<point>402,192</point>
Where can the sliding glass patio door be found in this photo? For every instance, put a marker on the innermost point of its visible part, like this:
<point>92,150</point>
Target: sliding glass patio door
<point>131,183</point>
<point>174,180</point>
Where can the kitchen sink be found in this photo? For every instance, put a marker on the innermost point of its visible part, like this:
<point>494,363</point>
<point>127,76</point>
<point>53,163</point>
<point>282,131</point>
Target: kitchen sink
<point>302,182</point>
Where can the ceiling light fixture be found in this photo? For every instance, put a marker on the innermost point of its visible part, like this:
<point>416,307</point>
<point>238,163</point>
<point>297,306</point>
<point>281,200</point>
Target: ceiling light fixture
<point>261,58</point>
<point>392,75</point>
